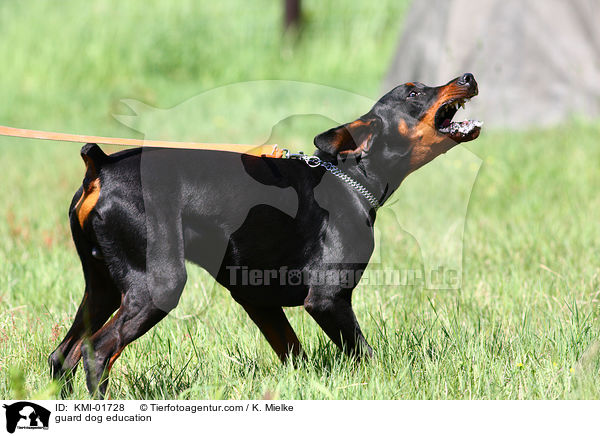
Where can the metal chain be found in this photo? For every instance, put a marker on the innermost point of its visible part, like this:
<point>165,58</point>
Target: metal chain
<point>314,161</point>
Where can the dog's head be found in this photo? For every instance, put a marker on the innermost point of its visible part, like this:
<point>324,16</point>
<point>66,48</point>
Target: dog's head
<point>408,127</point>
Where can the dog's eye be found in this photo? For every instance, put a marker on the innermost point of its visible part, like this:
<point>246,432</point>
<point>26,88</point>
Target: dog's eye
<point>414,94</point>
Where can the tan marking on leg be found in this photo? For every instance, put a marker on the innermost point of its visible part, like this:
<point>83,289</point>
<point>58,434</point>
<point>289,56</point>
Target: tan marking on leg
<point>113,358</point>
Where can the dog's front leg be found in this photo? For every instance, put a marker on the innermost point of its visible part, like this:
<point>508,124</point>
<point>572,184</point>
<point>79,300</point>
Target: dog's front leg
<point>331,307</point>
<point>276,329</point>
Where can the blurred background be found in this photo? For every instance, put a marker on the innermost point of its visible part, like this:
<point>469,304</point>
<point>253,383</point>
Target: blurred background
<point>521,325</point>
<point>70,65</point>
<point>538,61</point>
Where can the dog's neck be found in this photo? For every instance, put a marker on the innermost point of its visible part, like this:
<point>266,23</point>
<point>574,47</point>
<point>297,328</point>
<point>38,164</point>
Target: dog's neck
<point>378,175</point>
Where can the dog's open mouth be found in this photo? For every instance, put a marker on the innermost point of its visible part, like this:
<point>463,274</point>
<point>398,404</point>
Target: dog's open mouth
<point>458,131</point>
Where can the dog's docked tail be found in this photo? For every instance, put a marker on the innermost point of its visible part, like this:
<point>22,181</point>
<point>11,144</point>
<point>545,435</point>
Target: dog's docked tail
<point>94,158</point>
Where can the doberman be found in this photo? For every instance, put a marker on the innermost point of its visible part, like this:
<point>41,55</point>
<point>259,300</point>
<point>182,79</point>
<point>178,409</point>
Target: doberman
<point>274,232</point>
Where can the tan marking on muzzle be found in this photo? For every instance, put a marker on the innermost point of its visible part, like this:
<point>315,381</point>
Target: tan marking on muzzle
<point>427,142</point>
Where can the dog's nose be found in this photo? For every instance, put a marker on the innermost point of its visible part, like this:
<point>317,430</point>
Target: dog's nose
<point>468,80</point>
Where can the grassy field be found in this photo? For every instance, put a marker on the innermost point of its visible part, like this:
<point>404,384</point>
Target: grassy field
<point>524,325</point>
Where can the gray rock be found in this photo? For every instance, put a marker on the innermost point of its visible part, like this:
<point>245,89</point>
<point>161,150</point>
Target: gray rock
<point>537,62</point>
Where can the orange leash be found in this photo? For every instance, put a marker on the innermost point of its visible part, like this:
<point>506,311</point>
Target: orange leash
<point>255,150</point>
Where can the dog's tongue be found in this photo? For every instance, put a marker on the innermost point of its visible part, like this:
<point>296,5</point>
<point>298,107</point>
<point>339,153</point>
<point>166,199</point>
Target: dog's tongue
<point>446,123</point>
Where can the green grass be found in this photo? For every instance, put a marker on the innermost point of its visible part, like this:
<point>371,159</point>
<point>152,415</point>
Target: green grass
<point>524,324</point>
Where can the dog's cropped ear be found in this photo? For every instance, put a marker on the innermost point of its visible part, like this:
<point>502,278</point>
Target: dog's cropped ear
<point>351,139</point>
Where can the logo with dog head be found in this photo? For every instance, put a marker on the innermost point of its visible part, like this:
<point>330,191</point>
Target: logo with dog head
<point>26,415</point>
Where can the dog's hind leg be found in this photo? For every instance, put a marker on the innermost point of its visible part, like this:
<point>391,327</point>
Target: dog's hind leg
<point>135,317</point>
<point>276,328</point>
<point>101,298</point>
<point>151,277</point>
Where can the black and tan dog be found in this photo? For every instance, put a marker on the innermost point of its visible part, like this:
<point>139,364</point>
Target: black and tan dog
<point>272,231</point>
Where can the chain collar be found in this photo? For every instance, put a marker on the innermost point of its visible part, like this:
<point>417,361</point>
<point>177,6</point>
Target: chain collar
<point>314,161</point>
